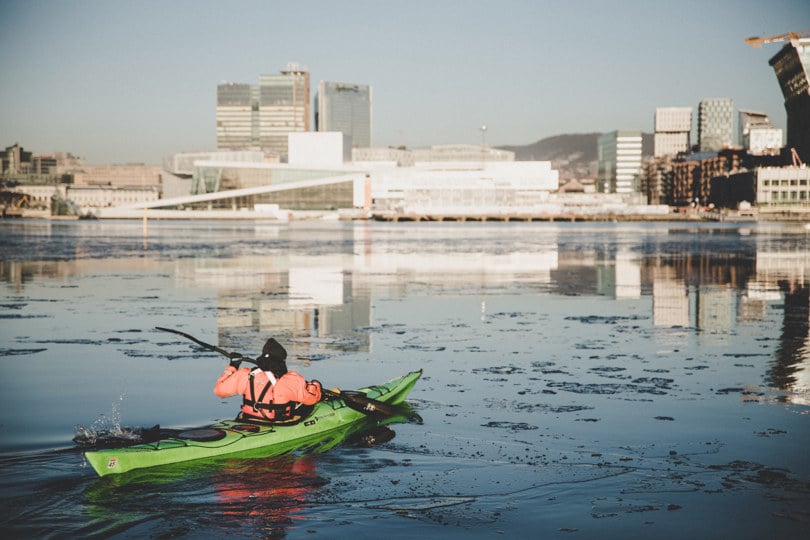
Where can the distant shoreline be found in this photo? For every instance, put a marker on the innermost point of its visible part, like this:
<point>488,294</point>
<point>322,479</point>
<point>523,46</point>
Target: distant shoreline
<point>795,216</point>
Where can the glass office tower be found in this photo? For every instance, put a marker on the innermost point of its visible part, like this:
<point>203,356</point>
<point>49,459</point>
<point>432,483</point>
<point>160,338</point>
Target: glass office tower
<point>715,124</point>
<point>345,107</point>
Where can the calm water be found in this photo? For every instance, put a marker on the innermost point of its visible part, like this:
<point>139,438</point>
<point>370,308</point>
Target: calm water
<point>581,380</point>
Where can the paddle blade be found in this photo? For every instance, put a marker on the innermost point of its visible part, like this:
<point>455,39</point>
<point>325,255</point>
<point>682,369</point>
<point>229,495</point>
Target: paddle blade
<point>361,403</point>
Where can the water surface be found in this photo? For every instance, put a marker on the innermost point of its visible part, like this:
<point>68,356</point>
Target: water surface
<point>580,380</point>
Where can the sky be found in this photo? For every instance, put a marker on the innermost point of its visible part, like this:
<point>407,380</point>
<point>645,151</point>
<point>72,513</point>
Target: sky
<point>132,81</point>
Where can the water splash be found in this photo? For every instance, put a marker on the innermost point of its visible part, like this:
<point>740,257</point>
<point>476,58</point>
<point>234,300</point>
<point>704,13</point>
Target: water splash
<point>107,432</point>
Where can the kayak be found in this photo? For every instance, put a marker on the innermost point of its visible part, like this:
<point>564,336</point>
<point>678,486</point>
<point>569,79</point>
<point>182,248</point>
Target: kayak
<point>329,418</point>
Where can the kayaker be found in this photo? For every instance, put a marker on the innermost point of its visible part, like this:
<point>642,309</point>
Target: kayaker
<point>270,391</point>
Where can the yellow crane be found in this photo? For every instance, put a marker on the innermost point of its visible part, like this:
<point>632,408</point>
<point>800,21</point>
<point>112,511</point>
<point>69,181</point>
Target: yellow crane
<point>787,36</point>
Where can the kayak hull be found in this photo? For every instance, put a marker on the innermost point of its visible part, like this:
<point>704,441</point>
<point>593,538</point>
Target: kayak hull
<point>324,427</point>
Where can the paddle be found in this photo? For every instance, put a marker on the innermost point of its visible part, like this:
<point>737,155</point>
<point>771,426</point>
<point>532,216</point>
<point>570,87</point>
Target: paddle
<point>353,399</point>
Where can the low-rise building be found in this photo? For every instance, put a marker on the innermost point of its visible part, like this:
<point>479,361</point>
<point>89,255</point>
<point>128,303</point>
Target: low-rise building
<point>783,186</point>
<point>123,176</point>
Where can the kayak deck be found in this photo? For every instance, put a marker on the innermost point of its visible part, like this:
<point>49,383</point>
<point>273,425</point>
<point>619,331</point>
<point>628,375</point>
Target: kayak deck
<point>328,421</point>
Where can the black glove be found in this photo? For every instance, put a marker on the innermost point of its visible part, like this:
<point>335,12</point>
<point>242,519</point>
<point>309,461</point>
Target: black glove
<point>235,362</point>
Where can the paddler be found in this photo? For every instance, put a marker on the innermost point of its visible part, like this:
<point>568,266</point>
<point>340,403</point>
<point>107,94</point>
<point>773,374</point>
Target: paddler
<point>270,391</point>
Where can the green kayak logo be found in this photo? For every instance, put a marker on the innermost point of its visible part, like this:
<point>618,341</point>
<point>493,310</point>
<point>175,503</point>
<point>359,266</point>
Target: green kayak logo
<point>112,463</point>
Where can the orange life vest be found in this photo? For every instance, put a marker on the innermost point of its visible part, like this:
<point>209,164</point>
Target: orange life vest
<point>264,398</point>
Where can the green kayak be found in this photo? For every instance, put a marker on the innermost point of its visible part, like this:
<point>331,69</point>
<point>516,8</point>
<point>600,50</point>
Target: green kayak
<point>329,418</point>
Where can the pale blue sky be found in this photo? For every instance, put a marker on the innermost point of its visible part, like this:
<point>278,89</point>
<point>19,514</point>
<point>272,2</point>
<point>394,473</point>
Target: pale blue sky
<point>132,81</point>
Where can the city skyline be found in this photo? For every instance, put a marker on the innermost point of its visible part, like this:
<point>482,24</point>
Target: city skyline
<point>117,82</point>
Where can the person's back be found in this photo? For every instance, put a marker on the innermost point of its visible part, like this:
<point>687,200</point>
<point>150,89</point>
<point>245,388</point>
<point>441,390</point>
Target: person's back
<point>269,391</point>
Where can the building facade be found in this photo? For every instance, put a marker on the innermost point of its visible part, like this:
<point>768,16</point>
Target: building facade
<point>673,126</point>
<point>283,107</point>
<point>654,179</point>
<point>715,124</point>
<point>15,160</point>
<point>118,176</point>
<point>758,135</point>
<point>690,183</point>
<point>345,107</point>
<point>236,117</point>
<point>792,65</point>
<point>619,155</point>
<point>783,186</point>
<point>261,116</point>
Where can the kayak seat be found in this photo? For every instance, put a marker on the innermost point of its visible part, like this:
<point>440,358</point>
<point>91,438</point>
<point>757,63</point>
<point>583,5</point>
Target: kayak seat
<point>202,435</point>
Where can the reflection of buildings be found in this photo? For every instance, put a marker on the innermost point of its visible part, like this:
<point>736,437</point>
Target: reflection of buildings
<point>306,297</point>
<point>670,299</point>
<point>791,367</point>
<point>324,295</point>
<point>628,275</point>
<point>715,291</point>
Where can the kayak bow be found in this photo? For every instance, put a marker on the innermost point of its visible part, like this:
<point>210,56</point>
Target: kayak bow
<point>232,436</point>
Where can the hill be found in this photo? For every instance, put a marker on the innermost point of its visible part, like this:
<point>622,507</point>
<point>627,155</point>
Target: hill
<point>574,155</point>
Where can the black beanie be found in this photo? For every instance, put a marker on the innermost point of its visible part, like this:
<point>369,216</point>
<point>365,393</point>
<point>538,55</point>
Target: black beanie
<point>272,358</point>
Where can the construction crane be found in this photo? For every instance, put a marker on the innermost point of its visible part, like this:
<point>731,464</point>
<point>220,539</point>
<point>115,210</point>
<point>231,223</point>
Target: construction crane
<point>787,36</point>
<point>797,162</point>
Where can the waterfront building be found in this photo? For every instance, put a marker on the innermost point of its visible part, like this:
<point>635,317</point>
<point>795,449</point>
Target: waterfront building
<point>654,179</point>
<point>449,189</point>
<point>316,150</point>
<point>619,155</point>
<point>402,157</point>
<point>344,107</point>
<point>261,116</point>
<point>121,176</point>
<point>758,135</point>
<point>792,66</point>
<point>332,183</point>
<point>715,124</point>
<point>691,177</point>
<point>182,163</point>
<point>783,186</point>
<point>673,126</point>
<point>735,190</point>
<point>15,160</point>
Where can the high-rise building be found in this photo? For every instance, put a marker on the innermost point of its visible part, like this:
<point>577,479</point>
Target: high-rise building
<point>236,117</point>
<point>345,107</point>
<point>619,155</point>
<point>673,126</point>
<point>283,107</point>
<point>261,116</point>
<point>715,124</point>
<point>757,133</point>
<point>792,65</point>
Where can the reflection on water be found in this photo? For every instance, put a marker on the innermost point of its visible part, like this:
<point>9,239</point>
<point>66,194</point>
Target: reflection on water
<point>245,492</point>
<point>710,280</point>
<point>619,380</point>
